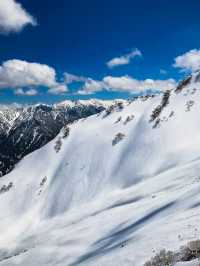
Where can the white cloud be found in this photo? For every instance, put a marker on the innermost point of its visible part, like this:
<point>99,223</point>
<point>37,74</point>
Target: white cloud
<point>127,83</point>
<point>188,61</point>
<point>13,17</point>
<point>121,83</point>
<point>15,74</point>
<point>92,86</point>
<point>59,89</point>
<point>22,92</point>
<point>123,60</point>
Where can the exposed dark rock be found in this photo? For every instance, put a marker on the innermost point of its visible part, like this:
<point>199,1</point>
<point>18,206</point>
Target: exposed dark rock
<point>6,188</point>
<point>183,84</point>
<point>119,136</point>
<point>164,102</point>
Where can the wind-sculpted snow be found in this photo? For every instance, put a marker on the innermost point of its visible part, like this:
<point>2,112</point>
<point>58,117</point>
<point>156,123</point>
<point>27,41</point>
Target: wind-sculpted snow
<point>90,202</point>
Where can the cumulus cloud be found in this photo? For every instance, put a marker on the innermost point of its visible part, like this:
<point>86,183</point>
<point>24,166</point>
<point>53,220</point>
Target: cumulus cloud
<point>123,83</point>
<point>126,84</point>
<point>18,74</point>
<point>189,61</point>
<point>92,86</point>
<point>13,17</point>
<point>124,59</point>
<point>22,92</point>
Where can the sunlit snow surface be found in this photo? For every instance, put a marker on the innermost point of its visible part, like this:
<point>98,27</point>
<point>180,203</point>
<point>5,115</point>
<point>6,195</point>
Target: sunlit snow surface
<point>94,203</point>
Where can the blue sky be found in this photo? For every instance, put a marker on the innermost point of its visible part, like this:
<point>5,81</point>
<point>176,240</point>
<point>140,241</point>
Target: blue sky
<point>80,37</point>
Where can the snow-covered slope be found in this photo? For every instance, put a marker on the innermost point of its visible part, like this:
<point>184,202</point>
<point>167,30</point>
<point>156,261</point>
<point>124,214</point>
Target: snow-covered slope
<point>25,129</point>
<point>121,186</point>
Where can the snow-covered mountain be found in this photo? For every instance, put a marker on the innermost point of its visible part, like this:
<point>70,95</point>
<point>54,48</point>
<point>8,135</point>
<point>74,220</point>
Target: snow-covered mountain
<point>25,129</point>
<point>111,189</point>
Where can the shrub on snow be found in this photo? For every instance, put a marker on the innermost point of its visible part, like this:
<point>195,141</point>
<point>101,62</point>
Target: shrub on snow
<point>119,136</point>
<point>58,145</point>
<point>189,252</point>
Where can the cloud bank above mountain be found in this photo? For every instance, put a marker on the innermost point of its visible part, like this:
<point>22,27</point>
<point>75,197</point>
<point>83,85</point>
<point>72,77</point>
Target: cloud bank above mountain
<point>18,74</point>
<point>126,84</point>
<point>27,78</point>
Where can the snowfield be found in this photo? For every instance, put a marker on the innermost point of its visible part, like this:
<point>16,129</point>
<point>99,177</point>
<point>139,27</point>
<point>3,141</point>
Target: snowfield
<point>116,191</point>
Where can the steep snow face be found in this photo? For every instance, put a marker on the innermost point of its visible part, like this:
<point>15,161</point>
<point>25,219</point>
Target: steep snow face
<point>116,189</point>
